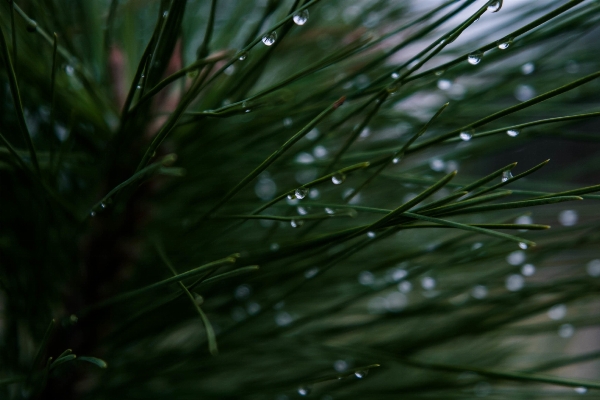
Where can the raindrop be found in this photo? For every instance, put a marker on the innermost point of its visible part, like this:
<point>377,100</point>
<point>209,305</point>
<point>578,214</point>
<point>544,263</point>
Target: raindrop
<point>287,122</point>
<point>365,133</point>
<point>329,211</point>
<point>558,311</point>
<point>523,245</point>
<point>398,274</point>
<point>92,213</point>
<point>513,132</point>
<point>301,210</point>
<point>524,92</point>
<point>243,55</point>
<point>475,57</point>
<point>371,234</point>
<point>581,390</point>
<point>304,158</point>
<point>476,246</point>
<point>253,308</point>
<point>269,39</point>
<point>527,68</point>
<point>466,135</point>
<point>568,217</point>
<point>300,17</point>
<point>396,160</point>
<point>313,134</point>
<point>504,44</point>
<point>320,151</point>
<point>165,14</point>
<point>301,192</point>
<point>516,257</point>
<point>103,205</point>
<point>338,178</point>
<point>566,330</point>
<point>444,84</point>
<point>366,278</point>
<point>528,269</point>
<point>515,282</point>
<point>437,164</point>
<point>283,318</point>
<point>506,175</point>
<point>593,268</point>
<point>304,390</point>
<point>296,223</point>
<point>361,374</point>
<point>242,292</point>
<point>428,283</point>
<point>395,75</point>
<point>69,70</point>
<point>405,286</point>
<point>495,6</point>
<point>340,365</point>
<point>479,292</point>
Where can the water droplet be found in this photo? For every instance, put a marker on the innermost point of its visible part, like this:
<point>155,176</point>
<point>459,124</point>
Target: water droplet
<point>513,132</point>
<point>243,55</point>
<point>103,205</point>
<point>476,246</point>
<point>466,135</point>
<point>428,283</point>
<point>301,192</point>
<point>479,292</point>
<point>528,270</point>
<point>287,122</point>
<point>300,17</point>
<point>558,311</point>
<point>495,6</point>
<point>283,318</point>
<point>581,390</point>
<point>92,213</point>
<point>593,268</point>
<point>506,175</point>
<point>391,90</point>
<point>568,217</point>
<point>444,84</point>
<point>269,39</point>
<point>361,374</point>
<point>304,158</point>
<point>301,210</point>
<point>247,110</point>
<point>515,282</point>
<point>527,68</point>
<point>504,44</point>
<point>242,292</point>
<point>439,72</point>
<point>313,134</point>
<point>396,160</point>
<point>524,92</point>
<point>291,196</point>
<point>366,278</point>
<point>371,234</point>
<point>139,87</point>
<point>329,211</point>
<point>253,308</point>
<point>516,257</point>
<point>395,75</point>
<point>69,70</point>
<point>304,390</point>
<point>475,57</point>
<point>566,330</point>
<point>165,14</point>
<point>523,245</point>
<point>405,286</point>
<point>296,223</point>
<point>340,365</point>
<point>320,151</point>
<point>437,164</point>
<point>338,178</point>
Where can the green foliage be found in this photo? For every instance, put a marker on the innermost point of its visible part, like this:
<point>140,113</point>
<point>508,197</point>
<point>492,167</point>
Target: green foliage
<point>282,198</point>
